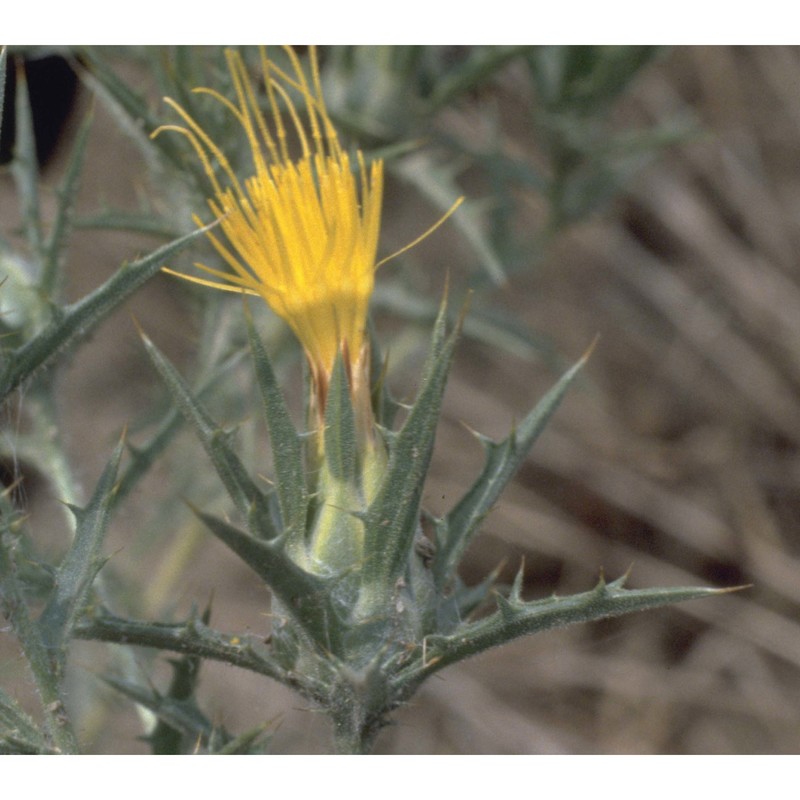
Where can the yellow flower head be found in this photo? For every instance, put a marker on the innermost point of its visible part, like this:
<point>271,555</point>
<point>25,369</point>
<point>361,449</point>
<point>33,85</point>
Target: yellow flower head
<point>302,233</point>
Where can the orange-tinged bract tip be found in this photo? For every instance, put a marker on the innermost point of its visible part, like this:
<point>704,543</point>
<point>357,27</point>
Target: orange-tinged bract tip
<point>300,232</point>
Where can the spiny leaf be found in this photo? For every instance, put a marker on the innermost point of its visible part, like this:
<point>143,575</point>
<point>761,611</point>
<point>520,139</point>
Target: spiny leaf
<point>515,618</point>
<point>391,520</point>
<point>305,597</point>
<point>287,447</point>
<point>192,637</point>
<point>78,319</point>
<point>455,532</point>
<point>143,456</point>
<point>78,568</point>
<point>66,194</point>
<point>243,491</point>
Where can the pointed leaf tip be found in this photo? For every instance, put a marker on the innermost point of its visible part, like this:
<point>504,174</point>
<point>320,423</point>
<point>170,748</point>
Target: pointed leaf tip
<point>618,583</point>
<point>589,350</point>
<point>516,587</point>
<point>503,459</point>
<point>731,589</point>
<point>140,330</point>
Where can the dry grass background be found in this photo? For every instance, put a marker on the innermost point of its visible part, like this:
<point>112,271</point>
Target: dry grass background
<point>677,455</point>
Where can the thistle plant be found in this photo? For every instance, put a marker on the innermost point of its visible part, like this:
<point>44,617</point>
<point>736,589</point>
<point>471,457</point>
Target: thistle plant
<point>367,601</point>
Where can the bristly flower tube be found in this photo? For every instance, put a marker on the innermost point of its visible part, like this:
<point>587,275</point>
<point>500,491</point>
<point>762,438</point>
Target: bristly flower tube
<point>301,233</point>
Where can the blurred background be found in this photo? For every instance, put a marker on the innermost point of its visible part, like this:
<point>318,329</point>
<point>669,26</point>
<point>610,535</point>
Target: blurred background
<point>650,197</point>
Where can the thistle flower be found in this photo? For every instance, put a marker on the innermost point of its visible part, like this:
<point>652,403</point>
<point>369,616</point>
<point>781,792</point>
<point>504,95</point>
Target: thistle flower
<point>301,233</point>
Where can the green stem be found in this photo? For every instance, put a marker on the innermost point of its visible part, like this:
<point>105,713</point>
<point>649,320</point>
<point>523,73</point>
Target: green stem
<point>47,675</point>
<point>351,735</point>
<point>357,704</point>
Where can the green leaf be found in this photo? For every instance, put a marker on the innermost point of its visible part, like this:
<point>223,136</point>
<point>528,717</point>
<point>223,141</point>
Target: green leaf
<point>392,519</point>
<point>80,565</point>
<point>241,488</point>
<point>455,532</point>
<point>67,193</point>
<point>143,456</point>
<point>77,320</point>
<point>305,597</point>
<point>192,637</point>
<point>515,618</point>
<point>287,447</point>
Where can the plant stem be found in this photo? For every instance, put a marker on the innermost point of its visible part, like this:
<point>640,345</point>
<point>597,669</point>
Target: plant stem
<point>351,735</point>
